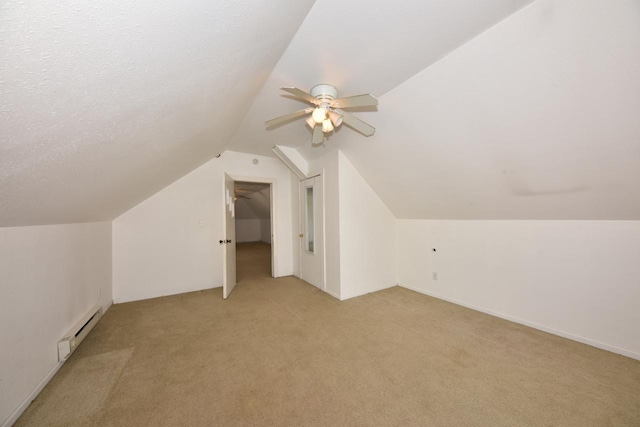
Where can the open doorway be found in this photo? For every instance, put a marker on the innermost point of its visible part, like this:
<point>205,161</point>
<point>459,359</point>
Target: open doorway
<point>254,230</point>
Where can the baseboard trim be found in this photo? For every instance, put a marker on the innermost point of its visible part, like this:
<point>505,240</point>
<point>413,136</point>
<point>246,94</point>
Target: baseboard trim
<point>31,396</point>
<point>105,309</point>
<point>369,291</point>
<point>166,294</point>
<point>563,334</point>
<point>333,294</point>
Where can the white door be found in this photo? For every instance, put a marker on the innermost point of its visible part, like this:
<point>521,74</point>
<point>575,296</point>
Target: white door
<point>229,240</point>
<point>312,233</point>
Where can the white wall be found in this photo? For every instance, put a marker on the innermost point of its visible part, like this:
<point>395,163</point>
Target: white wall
<point>253,217</point>
<point>248,230</point>
<point>360,231</point>
<point>367,236</point>
<point>253,230</point>
<point>159,246</point>
<point>329,165</point>
<point>50,277</point>
<point>265,230</point>
<point>578,279</point>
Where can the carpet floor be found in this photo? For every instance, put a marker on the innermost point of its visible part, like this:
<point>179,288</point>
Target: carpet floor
<point>279,352</point>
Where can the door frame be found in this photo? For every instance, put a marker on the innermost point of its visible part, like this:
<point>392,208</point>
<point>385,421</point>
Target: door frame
<point>272,202</point>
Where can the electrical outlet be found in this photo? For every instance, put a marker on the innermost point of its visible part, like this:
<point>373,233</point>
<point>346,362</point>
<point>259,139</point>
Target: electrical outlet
<point>434,275</point>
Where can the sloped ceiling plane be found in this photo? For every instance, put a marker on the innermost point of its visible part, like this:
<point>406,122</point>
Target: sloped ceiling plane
<point>502,109</point>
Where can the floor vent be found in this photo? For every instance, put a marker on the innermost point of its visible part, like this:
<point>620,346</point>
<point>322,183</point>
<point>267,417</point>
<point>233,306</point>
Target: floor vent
<point>80,330</point>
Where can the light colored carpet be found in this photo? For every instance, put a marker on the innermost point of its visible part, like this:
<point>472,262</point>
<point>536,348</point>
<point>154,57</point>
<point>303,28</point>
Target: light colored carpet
<point>78,391</point>
<point>279,352</point>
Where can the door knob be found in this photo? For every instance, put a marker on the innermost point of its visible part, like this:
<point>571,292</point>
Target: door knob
<point>221,242</point>
<point>228,241</point>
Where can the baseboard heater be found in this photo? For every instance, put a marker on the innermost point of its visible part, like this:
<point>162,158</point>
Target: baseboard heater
<point>80,330</point>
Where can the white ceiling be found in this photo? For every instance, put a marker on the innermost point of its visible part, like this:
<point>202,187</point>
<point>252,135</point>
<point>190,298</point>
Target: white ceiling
<point>537,118</point>
<point>104,103</point>
<point>253,200</point>
<point>361,47</point>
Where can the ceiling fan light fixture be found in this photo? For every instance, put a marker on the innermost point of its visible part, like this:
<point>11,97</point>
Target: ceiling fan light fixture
<point>312,123</point>
<point>336,118</point>
<point>327,126</point>
<point>327,111</point>
<point>319,115</point>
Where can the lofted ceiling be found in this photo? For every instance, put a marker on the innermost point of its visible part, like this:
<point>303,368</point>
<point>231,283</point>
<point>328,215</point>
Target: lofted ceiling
<point>359,47</point>
<point>104,103</point>
<point>500,109</point>
<point>536,118</point>
<point>253,200</point>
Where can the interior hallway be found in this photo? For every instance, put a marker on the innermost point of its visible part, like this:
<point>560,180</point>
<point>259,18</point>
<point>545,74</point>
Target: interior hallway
<point>253,263</point>
<point>280,352</point>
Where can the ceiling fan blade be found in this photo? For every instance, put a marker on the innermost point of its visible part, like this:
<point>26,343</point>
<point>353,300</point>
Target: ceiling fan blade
<point>366,100</point>
<point>357,124</point>
<point>301,94</point>
<point>318,136</point>
<point>287,118</point>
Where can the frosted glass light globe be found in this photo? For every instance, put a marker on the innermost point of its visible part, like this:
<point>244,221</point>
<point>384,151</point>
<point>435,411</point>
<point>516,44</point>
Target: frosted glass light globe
<point>319,114</point>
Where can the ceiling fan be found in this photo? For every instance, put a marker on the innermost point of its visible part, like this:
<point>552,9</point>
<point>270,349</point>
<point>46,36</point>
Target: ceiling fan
<point>328,111</point>
<point>237,193</point>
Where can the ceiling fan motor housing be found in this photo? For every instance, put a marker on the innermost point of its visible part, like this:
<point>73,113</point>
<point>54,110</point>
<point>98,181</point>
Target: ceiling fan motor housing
<point>324,91</point>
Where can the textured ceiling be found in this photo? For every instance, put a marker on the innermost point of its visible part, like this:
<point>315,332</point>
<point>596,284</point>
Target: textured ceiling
<point>361,47</point>
<point>500,109</point>
<point>537,118</point>
<point>253,200</point>
<point>104,103</point>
